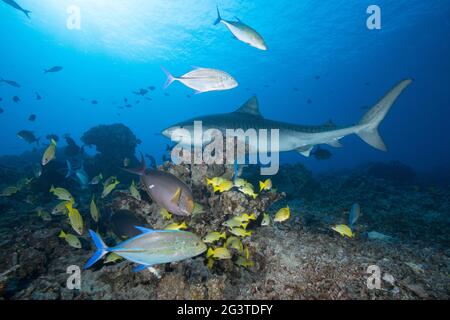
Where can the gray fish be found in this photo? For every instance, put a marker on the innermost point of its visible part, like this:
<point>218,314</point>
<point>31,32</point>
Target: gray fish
<point>53,69</point>
<point>166,190</point>
<point>28,136</point>
<point>14,4</point>
<point>79,173</point>
<point>301,138</point>
<point>321,154</point>
<point>10,82</point>
<point>243,32</point>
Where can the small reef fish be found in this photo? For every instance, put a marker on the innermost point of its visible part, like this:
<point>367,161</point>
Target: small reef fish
<point>60,209</point>
<point>75,218</point>
<point>171,245</point>
<point>44,215</point>
<point>343,230</point>
<point>80,174</point>
<point>283,214</point>
<point>134,191</point>
<point>49,153</point>
<point>109,186</point>
<point>176,226</point>
<point>61,193</point>
<point>32,118</point>
<point>355,213</point>
<point>220,253</point>
<point>10,82</point>
<point>245,217</point>
<point>16,6</point>
<point>37,170</point>
<point>94,210</point>
<point>374,235</point>
<point>216,181</point>
<point>203,80</point>
<point>235,243</point>
<point>166,190</point>
<point>53,69</point>
<point>233,222</point>
<point>243,32</point>
<point>96,180</point>
<point>239,183</point>
<point>266,185</point>
<point>247,189</point>
<point>9,191</point>
<point>71,239</point>
<point>266,220</point>
<point>214,236</point>
<point>28,136</point>
<point>126,162</point>
<point>240,232</point>
<point>165,214</point>
<point>224,186</point>
<point>112,257</point>
<point>244,262</point>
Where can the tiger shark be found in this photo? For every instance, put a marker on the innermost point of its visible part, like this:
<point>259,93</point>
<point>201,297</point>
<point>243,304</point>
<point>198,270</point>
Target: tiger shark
<point>301,138</point>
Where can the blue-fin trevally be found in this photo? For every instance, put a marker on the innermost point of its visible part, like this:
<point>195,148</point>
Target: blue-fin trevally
<point>242,32</point>
<point>301,138</point>
<point>151,247</point>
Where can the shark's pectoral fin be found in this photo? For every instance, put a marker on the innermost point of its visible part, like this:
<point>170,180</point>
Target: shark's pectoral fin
<point>305,150</point>
<point>334,143</point>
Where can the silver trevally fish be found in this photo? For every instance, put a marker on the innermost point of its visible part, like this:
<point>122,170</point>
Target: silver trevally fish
<point>203,80</point>
<point>16,6</point>
<point>301,138</point>
<point>151,247</point>
<point>166,190</point>
<point>243,32</point>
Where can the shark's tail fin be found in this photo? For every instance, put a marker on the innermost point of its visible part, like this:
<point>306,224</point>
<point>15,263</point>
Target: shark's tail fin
<point>219,18</point>
<point>371,120</point>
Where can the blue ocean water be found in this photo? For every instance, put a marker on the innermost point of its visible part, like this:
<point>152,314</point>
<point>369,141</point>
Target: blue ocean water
<point>122,44</point>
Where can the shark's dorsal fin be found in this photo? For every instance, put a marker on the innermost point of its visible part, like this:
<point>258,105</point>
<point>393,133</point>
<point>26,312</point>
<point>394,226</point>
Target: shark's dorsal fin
<point>250,107</point>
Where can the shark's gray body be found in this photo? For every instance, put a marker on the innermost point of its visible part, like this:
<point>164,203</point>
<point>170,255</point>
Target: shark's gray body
<point>298,137</point>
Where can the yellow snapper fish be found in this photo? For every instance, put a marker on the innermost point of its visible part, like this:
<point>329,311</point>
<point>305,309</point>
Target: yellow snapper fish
<point>210,263</point>
<point>216,181</point>
<point>176,226</point>
<point>343,230</point>
<point>266,220</point>
<point>248,190</point>
<point>71,239</point>
<point>61,193</point>
<point>244,262</point>
<point>9,191</point>
<point>220,253</point>
<point>94,210</point>
<point>266,185</point>
<point>134,191</point>
<point>96,180</point>
<point>24,182</point>
<point>49,153</point>
<point>109,186</point>
<point>214,236</point>
<point>246,217</point>
<point>165,214</point>
<point>76,220</point>
<point>235,243</point>
<point>239,183</point>
<point>224,186</point>
<point>44,215</point>
<point>234,222</point>
<point>60,208</point>
<point>240,232</point>
<point>112,257</point>
<point>283,214</point>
